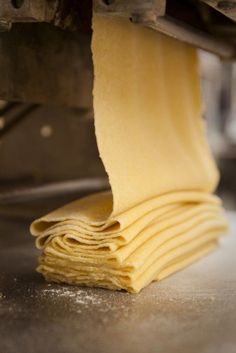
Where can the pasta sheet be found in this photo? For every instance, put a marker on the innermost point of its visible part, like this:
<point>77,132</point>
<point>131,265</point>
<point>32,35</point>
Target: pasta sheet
<point>160,214</point>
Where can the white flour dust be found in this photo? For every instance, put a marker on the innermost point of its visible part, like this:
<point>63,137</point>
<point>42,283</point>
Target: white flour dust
<point>79,296</point>
<point>81,299</point>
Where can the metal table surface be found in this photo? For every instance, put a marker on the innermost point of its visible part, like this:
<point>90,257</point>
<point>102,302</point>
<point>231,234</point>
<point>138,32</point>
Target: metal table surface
<point>191,311</point>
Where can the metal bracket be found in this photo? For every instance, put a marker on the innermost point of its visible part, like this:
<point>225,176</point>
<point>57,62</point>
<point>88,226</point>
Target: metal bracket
<point>226,7</point>
<point>154,14</point>
<point>130,8</point>
<point>26,11</point>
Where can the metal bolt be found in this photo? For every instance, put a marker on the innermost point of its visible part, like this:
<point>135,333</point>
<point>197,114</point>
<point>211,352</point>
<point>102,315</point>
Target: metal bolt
<point>226,5</point>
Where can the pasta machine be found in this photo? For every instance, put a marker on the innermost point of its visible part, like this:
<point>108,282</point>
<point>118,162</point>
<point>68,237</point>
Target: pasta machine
<point>41,50</point>
<point>46,79</point>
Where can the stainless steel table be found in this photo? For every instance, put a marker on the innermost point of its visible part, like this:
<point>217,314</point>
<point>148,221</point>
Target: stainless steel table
<point>191,311</point>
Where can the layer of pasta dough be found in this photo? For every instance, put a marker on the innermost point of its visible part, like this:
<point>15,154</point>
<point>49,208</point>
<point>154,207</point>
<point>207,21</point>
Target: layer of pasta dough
<point>160,214</point>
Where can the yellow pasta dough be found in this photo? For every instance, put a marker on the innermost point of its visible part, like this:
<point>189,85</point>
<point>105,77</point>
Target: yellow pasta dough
<point>160,214</point>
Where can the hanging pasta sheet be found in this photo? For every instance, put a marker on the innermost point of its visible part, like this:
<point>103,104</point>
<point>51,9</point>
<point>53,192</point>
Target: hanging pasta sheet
<point>160,214</point>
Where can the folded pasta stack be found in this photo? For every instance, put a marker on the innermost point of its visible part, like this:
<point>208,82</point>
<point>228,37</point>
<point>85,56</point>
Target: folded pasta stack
<point>160,215</point>
<point>143,244</point>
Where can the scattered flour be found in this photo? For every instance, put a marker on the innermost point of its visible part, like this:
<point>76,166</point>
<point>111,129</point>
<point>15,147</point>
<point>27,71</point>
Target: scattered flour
<point>79,296</point>
<point>81,299</point>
